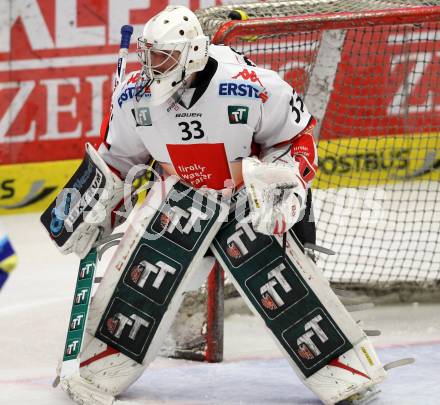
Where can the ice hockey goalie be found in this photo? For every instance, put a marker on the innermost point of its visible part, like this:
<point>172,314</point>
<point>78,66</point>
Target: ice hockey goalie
<point>235,158</point>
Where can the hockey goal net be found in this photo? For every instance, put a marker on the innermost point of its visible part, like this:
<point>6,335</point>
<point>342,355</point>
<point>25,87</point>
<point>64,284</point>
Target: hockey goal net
<point>369,71</point>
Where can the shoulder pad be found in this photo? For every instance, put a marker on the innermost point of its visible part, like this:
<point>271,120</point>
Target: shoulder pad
<point>127,89</point>
<point>226,54</point>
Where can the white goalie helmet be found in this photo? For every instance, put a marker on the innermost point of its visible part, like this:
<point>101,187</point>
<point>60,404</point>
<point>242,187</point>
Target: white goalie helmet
<point>171,48</point>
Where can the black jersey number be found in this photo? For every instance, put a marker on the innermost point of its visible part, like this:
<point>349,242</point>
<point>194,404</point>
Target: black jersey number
<point>294,100</point>
<point>196,131</point>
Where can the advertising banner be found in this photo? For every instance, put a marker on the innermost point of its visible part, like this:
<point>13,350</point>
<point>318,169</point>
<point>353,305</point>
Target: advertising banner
<point>57,63</point>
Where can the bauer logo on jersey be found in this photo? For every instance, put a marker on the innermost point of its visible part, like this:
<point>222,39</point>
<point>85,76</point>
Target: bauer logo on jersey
<point>183,219</point>
<point>152,274</point>
<point>126,328</point>
<point>314,340</point>
<point>238,114</point>
<point>276,288</point>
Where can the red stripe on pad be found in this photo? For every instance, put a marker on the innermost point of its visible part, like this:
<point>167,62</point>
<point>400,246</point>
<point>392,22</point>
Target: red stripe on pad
<point>107,352</point>
<point>337,363</point>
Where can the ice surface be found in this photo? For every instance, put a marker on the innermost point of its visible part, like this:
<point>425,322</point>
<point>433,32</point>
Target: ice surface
<point>34,307</point>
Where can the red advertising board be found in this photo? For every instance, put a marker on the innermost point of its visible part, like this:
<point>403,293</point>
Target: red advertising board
<point>57,60</point>
<point>383,80</point>
<point>388,83</point>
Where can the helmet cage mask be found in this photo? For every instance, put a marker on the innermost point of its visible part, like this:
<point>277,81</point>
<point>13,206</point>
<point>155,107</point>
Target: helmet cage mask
<point>172,47</point>
<point>165,54</point>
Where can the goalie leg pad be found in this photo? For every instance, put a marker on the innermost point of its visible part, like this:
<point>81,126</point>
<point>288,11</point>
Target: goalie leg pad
<point>82,392</point>
<point>324,345</point>
<point>144,284</point>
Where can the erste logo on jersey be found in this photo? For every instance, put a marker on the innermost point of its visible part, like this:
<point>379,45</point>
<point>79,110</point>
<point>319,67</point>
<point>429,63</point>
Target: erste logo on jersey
<point>242,88</point>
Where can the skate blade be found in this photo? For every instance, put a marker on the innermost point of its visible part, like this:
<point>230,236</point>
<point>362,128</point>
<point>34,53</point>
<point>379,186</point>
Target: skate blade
<point>56,381</point>
<point>372,332</point>
<point>399,363</point>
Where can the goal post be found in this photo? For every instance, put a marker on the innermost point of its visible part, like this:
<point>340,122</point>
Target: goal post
<point>256,28</point>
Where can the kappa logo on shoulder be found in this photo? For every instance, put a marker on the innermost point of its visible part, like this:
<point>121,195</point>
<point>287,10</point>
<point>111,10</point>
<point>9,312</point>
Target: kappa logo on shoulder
<point>251,75</point>
<point>245,74</point>
<point>134,78</point>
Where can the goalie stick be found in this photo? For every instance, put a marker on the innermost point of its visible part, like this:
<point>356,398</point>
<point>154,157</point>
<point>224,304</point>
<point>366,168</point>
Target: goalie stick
<point>83,289</point>
<point>78,316</point>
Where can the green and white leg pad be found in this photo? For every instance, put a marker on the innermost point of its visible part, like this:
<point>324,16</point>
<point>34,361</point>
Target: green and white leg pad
<point>324,345</point>
<point>143,288</point>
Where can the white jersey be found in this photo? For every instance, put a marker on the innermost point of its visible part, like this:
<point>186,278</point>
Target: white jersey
<point>232,105</point>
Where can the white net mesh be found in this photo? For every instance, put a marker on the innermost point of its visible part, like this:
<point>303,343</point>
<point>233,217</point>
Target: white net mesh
<point>374,86</point>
